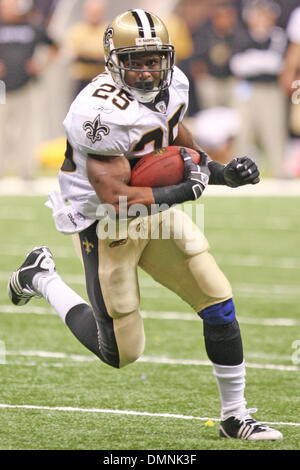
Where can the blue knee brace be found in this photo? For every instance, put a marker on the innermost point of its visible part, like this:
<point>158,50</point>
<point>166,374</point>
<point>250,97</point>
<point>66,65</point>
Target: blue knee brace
<point>219,314</point>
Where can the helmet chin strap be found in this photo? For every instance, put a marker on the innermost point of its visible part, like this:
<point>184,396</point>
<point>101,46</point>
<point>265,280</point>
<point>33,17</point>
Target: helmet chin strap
<point>141,96</point>
<point>142,91</point>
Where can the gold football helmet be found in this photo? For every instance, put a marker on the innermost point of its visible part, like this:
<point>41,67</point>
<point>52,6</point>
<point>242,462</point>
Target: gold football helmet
<point>138,32</point>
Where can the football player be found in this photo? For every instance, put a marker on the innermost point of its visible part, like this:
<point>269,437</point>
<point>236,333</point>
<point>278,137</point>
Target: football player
<point>135,107</point>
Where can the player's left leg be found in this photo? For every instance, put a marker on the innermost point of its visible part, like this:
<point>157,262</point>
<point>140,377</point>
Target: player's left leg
<point>185,266</point>
<point>224,348</point>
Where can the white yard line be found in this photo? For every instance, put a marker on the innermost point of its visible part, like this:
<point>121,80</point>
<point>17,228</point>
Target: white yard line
<point>282,293</point>
<point>194,362</point>
<point>91,358</point>
<point>285,291</point>
<point>269,224</point>
<point>75,358</point>
<point>180,316</point>
<point>71,409</point>
<point>19,252</point>
<point>69,278</point>
<point>24,215</point>
<point>272,289</point>
<point>26,310</point>
<point>246,287</point>
<point>263,296</point>
<point>53,355</point>
<point>249,261</point>
<point>255,261</point>
<point>12,186</point>
<point>234,259</point>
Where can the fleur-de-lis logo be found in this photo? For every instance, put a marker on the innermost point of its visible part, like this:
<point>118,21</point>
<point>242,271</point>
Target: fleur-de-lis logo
<point>95,129</point>
<point>88,246</point>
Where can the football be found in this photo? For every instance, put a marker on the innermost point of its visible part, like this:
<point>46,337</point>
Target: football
<point>163,167</point>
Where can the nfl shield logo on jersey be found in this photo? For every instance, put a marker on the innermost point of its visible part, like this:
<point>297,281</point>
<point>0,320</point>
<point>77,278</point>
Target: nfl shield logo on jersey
<point>95,129</point>
<point>161,107</point>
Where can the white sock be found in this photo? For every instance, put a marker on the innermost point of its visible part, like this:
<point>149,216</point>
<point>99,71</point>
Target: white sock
<point>231,384</point>
<point>59,295</point>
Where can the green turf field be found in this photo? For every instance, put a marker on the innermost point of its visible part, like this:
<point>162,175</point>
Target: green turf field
<point>55,395</point>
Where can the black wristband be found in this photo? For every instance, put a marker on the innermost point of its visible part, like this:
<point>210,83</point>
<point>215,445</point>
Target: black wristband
<point>216,173</point>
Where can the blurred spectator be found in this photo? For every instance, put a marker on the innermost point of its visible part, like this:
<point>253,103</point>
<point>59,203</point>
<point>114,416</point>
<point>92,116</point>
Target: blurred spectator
<point>292,58</point>
<point>182,42</point>
<point>290,81</point>
<point>214,130</point>
<point>19,67</point>
<point>258,98</point>
<point>178,28</point>
<point>211,71</point>
<point>83,44</point>
<point>194,13</point>
<point>42,12</point>
<point>291,70</point>
<point>286,8</point>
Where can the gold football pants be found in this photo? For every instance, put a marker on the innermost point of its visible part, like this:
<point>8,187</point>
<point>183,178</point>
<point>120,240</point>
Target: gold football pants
<point>169,247</point>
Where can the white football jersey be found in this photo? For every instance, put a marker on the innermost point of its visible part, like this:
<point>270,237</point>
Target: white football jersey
<point>104,120</point>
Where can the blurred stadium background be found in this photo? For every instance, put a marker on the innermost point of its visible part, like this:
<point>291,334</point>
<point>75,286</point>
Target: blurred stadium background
<point>233,109</point>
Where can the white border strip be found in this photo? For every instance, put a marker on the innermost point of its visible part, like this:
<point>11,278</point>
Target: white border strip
<point>125,412</point>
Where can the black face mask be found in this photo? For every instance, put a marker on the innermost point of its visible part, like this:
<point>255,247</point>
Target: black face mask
<point>146,85</point>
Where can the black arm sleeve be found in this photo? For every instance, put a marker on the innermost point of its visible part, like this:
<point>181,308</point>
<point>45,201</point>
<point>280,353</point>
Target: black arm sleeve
<point>175,194</point>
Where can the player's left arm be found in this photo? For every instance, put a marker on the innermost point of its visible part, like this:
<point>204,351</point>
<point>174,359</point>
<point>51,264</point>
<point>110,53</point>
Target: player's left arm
<point>238,172</point>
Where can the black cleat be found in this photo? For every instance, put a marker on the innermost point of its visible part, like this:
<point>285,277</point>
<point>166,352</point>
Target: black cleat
<point>246,427</point>
<point>20,289</point>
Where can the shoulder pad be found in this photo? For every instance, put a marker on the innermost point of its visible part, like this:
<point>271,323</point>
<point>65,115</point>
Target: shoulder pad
<point>180,80</point>
<point>98,118</point>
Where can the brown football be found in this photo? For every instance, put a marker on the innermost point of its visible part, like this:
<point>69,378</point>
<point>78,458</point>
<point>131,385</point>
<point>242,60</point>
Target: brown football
<point>162,167</point>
